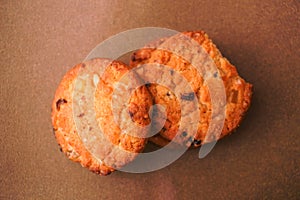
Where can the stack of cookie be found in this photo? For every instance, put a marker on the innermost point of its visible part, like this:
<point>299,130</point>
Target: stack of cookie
<point>77,134</point>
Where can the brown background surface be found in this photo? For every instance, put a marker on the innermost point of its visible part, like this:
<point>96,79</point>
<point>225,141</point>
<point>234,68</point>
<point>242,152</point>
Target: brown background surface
<point>41,40</point>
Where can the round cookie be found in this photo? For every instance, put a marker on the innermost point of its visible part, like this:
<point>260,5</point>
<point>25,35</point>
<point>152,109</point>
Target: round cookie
<point>238,91</point>
<point>64,120</point>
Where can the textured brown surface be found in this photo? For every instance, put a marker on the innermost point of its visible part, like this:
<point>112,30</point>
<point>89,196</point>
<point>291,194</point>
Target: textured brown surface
<point>64,118</point>
<point>122,143</point>
<point>64,127</point>
<point>261,38</point>
<point>237,91</point>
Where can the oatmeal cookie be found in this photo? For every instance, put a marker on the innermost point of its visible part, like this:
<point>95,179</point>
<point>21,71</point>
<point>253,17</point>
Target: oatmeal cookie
<point>238,91</point>
<point>64,118</point>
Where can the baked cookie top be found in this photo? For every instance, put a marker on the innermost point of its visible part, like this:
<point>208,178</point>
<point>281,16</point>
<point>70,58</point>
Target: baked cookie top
<point>168,52</point>
<point>124,124</point>
<point>71,113</point>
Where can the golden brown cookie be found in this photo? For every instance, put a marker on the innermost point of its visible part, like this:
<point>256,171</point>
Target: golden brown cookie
<point>132,117</point>
<point>238,91</point>
<point>64,118</point>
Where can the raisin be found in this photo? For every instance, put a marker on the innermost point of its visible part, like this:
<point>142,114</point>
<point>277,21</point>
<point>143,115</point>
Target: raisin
<point>147,85</point>
<point>133,57</point>
<point>171,72</point>
<point>196,142</point>
<point>60,102</point>
<point>184,134</point>
<point>216,74</point>
<point>81,115</point>
<point>190,139</point>
<point>108,173</point>
<point>136,57</point>
<point>131,114</point>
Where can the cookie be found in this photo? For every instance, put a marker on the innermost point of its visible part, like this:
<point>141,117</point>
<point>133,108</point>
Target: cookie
<point>69,117</point>
<point>127,131</point>
<point>238,91</point>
